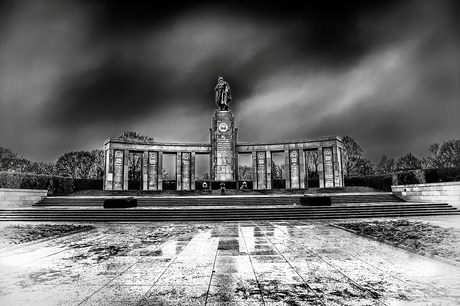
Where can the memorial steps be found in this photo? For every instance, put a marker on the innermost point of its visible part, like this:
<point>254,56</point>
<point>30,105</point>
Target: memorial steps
<point>225,214</point>
<point>224,208</point>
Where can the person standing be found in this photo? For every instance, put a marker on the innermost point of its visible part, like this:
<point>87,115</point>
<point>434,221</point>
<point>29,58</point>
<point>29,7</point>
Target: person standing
<point>222,188</point>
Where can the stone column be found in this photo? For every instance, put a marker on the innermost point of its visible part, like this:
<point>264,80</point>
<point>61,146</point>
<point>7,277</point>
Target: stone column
<point>153,171</point>
<point>320,168</point>
<point>302,168</point>
<point>287,172</point>
<point>186,175</point>
<point>118,170</point>
<point>254,170</point>
<point>125,169</point>
<point>179,171</point>
<point>336,167</point>
<point>108,173</point>
<point>294,168</point>
<point>192,171</point>
<point>261,170</point>
<point>328,168</point>
<point>160,170</point>
<point>268,156</point>
<point>145,174</point>
<point>235,158</point>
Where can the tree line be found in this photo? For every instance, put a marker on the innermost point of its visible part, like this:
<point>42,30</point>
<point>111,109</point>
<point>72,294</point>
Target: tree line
<point>74,164</point>
<point>443,155</point>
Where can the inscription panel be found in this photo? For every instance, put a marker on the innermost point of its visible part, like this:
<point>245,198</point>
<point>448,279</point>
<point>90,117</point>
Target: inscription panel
<point>294,167</point>
<point>328,168</point>
<point>261,171</point>
<point>118,170</point>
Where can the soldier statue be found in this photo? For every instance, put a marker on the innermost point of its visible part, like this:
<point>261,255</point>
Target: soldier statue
<point>223,94</point>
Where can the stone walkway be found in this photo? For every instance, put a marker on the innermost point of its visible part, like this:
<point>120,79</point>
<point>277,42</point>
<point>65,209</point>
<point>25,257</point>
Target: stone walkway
<point>230,263</point>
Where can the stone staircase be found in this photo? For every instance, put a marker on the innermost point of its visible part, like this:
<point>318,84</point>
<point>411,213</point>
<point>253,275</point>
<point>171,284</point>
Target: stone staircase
<point>224,208</point>
<point>70,214</point>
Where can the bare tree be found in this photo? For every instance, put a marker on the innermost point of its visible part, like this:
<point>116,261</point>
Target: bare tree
<point>351,155</point>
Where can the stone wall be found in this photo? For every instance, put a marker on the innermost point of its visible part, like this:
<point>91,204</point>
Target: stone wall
<point>20,197</point>
<point>433,192</point>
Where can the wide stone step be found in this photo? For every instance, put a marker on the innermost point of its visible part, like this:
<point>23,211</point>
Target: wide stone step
<point>221,201</point>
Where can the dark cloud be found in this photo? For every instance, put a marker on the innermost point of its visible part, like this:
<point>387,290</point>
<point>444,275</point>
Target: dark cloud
<point>78,72</point>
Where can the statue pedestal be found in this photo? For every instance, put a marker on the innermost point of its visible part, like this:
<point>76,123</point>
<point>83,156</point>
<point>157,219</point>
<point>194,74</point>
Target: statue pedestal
<point>223,142</point>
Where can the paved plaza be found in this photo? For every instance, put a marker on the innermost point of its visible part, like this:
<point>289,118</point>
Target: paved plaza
<point>228,263</point>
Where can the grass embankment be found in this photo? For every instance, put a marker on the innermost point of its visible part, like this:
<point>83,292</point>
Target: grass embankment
<point>22,233</point>
<point>419,237</point>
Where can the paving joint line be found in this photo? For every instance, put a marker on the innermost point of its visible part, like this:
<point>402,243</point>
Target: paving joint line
<point>372,295</point>
<point>170,264</point>
<point>354,256</point>
<point>213,267</point>
<point>252,265</point>
<point>282,255</point>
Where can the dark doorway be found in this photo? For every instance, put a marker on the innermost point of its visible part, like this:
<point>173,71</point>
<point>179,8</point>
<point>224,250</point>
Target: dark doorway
<point>245,173</point>
<point>202,171</point>
<point>311,171</point>
<point>135,170</point>
<point>168,172</point>
<point>278,172</point>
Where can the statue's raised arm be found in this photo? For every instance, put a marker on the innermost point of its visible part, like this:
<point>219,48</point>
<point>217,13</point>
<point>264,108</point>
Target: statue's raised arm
<point>223,94</point>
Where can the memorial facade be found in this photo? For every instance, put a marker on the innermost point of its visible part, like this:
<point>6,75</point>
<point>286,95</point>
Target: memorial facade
<point>223,151</point>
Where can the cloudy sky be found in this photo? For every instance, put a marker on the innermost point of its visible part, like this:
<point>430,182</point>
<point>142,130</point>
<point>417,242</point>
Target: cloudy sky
<point>74,73</point>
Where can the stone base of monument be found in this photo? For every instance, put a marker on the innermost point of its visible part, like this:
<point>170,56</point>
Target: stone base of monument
<point>315,201</point>
<point>120,203</point>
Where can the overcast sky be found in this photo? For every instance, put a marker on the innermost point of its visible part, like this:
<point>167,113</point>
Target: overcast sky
<point>75,73</point>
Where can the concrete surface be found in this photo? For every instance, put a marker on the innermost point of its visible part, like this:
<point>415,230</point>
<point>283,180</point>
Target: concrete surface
<point>229,263</point>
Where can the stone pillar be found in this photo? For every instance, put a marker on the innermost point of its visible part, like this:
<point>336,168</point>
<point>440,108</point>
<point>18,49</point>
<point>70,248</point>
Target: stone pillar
<point>254,170</point>
<point>287,172</point>
<point>328,168</point>
<point>125,169</point>
<point>153,171</point>
<point>302,168</point>
<point>223,146</point>
<point>185,173</point>
<point>320,168</point>
<point>337,167</point>
<point>192,171</point>
<point>179,171</point>
<point>268,156</point>
<point>108,173</point>
<point>145,174</point>
<point>261,171</point>
<point>340,158</point>
<point>118,170</point>
<point>160,170</point>
<point>294,168</point>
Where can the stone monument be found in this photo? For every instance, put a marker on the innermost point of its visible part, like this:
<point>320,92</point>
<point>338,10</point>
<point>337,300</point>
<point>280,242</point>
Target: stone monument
<point>223,136</point>
<point>223,150</point>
